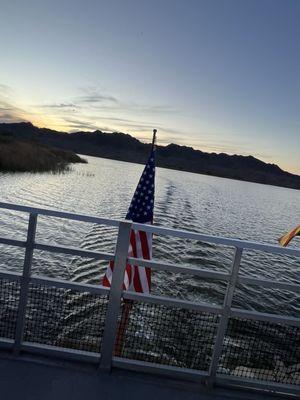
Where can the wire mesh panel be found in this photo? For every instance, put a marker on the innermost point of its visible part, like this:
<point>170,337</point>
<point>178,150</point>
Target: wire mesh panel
<point>9,300</point>
<point>65,318</point>
<point>166,335</point>
<point>261,350</point>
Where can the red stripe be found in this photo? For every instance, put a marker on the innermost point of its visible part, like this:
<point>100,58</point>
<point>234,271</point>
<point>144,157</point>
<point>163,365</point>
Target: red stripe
<point>133,271</point>
<point>105,282</point>
<point>133,244</point>
<point>148,274</point>
<point>144,243</point>
<point>136,278</point>
<point>146,255</point>
<point>129,273</point>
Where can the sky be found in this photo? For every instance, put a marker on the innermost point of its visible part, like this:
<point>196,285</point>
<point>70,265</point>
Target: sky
<point>217,75</point>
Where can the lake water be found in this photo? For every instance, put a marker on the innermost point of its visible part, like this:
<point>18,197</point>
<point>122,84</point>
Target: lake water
<point>199,203</point>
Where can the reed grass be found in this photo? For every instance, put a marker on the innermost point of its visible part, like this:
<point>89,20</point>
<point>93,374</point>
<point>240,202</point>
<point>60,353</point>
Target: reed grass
<point>30,156</point>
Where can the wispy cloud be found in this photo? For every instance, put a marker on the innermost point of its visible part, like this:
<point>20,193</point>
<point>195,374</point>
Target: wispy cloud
<point>141,109</point>
<point>73,124</point>
<point>96,109</point>
<point>99,100</point>
<point>59,106</point>
<point>9,112</point>
<point>5,90</point>
<point>93,95</point>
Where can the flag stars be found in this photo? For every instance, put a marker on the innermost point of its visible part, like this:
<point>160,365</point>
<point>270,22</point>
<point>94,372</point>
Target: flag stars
<point>141,207</point>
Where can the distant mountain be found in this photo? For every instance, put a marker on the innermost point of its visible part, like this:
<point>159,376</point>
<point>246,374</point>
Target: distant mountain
<point>124,147</point>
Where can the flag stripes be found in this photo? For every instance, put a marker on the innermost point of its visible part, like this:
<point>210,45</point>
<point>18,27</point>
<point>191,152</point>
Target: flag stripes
<point>136,278</point>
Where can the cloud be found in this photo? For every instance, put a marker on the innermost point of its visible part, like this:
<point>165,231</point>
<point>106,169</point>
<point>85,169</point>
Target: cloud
<point>82,124</point>
<point>59,105</point>
<point>98,100</point>
<point>93,95</point>
<point>5,90</point>
<point>10,113</point>
<point>141,109</point>
<point>96,109</point>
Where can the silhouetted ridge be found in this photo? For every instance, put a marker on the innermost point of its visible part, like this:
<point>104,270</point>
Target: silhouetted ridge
<point>121,146</point>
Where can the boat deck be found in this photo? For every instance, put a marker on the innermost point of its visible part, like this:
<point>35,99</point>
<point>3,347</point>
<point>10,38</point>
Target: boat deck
<point>32,379</point>
<point>170,336</point>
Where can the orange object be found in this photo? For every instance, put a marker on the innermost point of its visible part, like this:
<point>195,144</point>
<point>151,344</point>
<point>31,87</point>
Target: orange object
<point>285,239</point>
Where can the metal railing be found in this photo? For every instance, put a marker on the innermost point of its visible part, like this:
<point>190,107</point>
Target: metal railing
<point>202,330</point>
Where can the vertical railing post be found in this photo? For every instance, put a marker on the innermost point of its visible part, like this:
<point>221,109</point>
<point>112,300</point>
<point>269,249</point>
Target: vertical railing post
<point>25,279</point>
<point>114,303</point>
<point>225,315</point>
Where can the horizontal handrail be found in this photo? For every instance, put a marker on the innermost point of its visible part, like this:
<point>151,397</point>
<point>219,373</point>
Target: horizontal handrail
<point>64,284</point>
<point>73,251</point>
<point>60,214</point>
<point>261,316</point>
<point>12,242</point>
<point>250,245</point>
<point>243,244</point>
<point>9,275</point>
<point>294,287</point>
<point>203,273</point>
<point>172,302</point>
<point>154,299</point>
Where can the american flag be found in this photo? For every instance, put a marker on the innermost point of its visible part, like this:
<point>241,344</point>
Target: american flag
<point>138,279</point>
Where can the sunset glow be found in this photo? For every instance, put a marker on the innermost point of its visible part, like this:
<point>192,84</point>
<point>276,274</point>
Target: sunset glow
<point>208,74</point>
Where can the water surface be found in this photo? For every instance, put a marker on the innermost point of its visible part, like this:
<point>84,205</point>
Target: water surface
<point>199,203</point>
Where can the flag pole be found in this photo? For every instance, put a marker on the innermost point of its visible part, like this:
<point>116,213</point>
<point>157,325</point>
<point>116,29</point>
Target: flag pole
<point>154,138</point>
<point>127,304</point>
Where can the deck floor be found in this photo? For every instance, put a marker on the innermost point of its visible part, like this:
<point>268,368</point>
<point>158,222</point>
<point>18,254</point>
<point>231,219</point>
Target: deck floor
<point>22,379</point>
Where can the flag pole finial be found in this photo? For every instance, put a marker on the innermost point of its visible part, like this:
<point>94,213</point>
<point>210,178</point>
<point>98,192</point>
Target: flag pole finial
<point>154,138</point>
